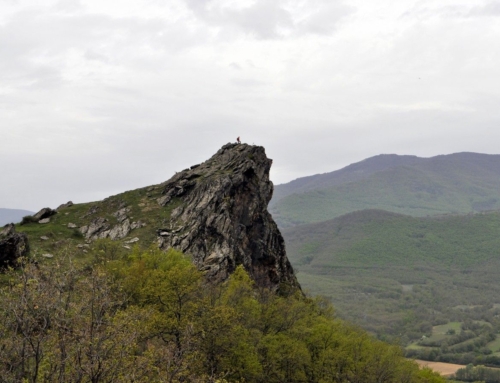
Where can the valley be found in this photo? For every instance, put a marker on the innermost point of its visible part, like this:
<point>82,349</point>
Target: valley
<point>424,275</point>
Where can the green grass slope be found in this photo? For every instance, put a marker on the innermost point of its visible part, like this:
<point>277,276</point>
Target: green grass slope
<point>392,273</point>
<point>457,183</point>
<point>141,202</point>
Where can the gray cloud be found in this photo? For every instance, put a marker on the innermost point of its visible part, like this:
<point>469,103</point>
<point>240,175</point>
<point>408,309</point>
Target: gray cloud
<point>94,102</point>
<point>491,8</point>
<point>273,19</point>
<point>423,11</point>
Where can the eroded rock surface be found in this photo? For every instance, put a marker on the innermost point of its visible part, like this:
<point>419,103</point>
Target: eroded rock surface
<point>219,216</point>
<point>101,228</point>
<point>44,213</point>
<point>12,246</point>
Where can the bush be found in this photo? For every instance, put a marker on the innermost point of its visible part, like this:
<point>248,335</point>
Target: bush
<point>28,219</point>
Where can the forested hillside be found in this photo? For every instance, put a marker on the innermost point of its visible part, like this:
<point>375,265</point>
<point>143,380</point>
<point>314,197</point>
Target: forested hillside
<point>150,316</point>
<point>399,276</point>
<point>455,183</point>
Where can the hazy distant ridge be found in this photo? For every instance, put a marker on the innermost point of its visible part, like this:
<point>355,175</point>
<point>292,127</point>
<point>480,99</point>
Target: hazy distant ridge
<point>12,215</point>
<point>350,173</point>
<point>455,183</point>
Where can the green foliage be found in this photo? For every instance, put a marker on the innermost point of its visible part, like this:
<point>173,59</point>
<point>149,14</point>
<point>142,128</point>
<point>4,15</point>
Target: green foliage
<point>403,278</point>
<point>28,219</point>
<point>459,183</point>
<point>150,316</point>
<point>478,373</point>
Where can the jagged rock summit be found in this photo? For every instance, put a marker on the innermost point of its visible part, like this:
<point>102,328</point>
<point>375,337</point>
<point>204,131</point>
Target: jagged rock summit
<point>219,216</point>
<point>216,212</point>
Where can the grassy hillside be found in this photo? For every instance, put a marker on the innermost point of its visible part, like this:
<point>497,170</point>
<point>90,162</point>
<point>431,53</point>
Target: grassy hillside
<point>457,183</point>
<point>399,275</point>
<point>141,202</point>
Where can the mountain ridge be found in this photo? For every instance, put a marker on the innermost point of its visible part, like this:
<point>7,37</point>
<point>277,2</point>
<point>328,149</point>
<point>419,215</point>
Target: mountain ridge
<point>12,215</point>
<point>457,183</point>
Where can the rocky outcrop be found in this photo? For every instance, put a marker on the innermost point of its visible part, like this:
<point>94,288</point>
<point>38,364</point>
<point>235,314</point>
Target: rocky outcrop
<point>12,246</point>
<point>45,213</point>
<point>101,228</point>
<point>219,216</point>
<point>65,205</point>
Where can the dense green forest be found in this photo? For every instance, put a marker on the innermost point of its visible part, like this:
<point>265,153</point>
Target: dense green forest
<point>150,316</point>
<point>402,278</point>
<point>478,374</point>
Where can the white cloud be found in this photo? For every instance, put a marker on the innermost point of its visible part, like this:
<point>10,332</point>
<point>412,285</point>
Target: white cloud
<point>98,96</point>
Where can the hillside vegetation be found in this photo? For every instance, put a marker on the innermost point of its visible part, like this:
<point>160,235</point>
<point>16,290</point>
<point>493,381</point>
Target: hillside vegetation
<point>150,316</point>
<point>456,183</point>
<point>399,276</point>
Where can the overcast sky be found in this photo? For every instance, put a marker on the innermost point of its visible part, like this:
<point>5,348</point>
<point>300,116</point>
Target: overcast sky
<point>102,96</point>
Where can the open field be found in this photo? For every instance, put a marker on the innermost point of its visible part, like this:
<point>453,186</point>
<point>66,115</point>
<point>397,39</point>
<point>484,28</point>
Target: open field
<point>495,345</point>
<point>445,369</point>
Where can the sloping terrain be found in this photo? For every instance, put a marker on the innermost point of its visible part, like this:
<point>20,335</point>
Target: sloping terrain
<point>216,212</point>
<point>455,183</point>
<point>354,172</point>
<point>400,275</point>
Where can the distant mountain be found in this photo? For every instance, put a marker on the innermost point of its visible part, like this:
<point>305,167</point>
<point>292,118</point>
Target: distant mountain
<point>378,266</point>
<point>12,215</point>
<point>351,173</point>
<point>455,183</point>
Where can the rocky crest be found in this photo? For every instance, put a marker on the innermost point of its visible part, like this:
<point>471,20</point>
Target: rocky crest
<point>12,246</point>
<point>219,216</point>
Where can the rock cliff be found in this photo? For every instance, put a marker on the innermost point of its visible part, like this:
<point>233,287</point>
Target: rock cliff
<point>219,216</point>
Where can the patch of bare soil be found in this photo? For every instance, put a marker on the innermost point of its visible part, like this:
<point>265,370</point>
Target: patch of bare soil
<point>445,369</point>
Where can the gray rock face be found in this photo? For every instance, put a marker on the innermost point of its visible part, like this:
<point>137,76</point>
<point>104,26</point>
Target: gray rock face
<point>46,212</point>
<point>12,246</point>
<point>65,205</point>
<point>221,217</point>
<point>101,228</point>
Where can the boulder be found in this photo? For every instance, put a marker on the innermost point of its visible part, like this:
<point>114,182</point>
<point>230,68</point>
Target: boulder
<point>121,230</point>
<point>98,228</point>
<point>46,212</point>
<point>12,246</point>
<point>65,205</point>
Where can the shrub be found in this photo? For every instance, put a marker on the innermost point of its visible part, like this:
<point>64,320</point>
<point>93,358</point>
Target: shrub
<point>28,219</point>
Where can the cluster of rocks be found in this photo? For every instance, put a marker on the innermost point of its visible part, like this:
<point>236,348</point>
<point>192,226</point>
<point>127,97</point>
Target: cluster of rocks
<point>222,218</point>
<point>13,245</point>
<point>43,216</point>
<point>100,227</point>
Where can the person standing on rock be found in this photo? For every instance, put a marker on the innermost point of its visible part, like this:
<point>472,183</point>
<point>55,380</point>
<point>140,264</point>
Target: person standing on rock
<point>238,140</point>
